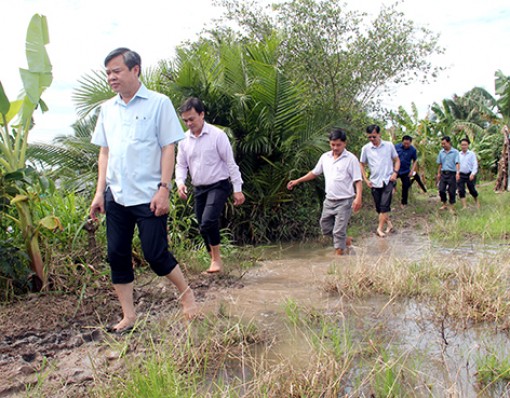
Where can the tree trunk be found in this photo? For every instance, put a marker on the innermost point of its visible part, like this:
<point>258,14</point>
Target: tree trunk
<point>502,181</point>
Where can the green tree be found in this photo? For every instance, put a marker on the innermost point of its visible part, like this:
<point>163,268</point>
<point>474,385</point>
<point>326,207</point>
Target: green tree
<point>345,58</point>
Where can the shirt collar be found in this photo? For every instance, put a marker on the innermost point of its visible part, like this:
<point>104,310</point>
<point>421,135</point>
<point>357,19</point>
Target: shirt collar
<point>377,147</point>
<point>142,92</point>
<point>205,130</point>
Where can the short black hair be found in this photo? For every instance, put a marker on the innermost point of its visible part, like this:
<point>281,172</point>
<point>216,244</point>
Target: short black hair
<point>337,134</point>
<point>466,140</point>
<point>446,138</point>
<point>407,138</point>
<point>192,103</point>
<point>131,58</point>
<point>373,127</point>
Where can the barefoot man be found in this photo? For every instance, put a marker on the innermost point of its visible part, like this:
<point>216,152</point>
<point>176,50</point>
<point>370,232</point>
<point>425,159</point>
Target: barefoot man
<point>137,131</point>
<point>343,188</point>
<point>207,154</point>
<point>384,165</point>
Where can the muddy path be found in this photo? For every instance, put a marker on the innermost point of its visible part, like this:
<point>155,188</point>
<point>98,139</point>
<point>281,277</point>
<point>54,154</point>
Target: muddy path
<point>63,336</point>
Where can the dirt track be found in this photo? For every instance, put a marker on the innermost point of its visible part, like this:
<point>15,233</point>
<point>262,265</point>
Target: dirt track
<point>56,335</point>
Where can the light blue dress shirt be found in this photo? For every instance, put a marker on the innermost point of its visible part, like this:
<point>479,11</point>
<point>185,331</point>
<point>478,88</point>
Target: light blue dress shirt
<point>135,134</point>
<point>448,160</point>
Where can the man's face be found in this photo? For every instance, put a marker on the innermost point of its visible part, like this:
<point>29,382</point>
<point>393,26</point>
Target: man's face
<point>446,145</point>
<point>406,144</point>
<point>337,146</point>
<point>374,137</point>
<point>193,120</point>
<point>464,146</point>
<point>120,78</point>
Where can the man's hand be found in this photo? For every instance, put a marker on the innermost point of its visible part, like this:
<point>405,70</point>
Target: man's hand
<point>182,191</point>
<point>238,198</point>
<point>356,205</point>
<point>291,184</point>
<point>97,206</point>
<point>160,204</point>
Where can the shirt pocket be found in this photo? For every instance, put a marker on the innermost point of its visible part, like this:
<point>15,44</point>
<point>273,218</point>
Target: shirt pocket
<point>142,128</point>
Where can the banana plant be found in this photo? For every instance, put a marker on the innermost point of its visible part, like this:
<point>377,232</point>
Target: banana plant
<point>15,125</point>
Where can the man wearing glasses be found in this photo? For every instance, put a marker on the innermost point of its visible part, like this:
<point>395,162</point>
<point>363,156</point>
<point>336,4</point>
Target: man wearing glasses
<point>384,165</point>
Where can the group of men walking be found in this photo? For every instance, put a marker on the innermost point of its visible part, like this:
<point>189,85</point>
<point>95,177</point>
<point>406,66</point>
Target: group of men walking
<point>137,132</point>
<point>381,164</point>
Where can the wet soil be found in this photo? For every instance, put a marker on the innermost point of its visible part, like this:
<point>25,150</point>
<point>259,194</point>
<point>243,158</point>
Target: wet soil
<point>65,333</point>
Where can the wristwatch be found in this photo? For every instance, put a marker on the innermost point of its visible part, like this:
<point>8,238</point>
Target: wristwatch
<point>164,185</point>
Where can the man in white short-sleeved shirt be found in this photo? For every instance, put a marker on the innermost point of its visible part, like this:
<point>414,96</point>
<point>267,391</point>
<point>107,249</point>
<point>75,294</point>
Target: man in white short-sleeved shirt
<point>384,165</point>
<point>342,174</point>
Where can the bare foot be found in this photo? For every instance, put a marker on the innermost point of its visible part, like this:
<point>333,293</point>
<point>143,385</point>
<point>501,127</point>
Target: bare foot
<point>189,305</point>
<point>216,267</point>
<point>443,207</point>
<point>348,241</point>
<point>389,227</point>
<point>339,252</point>
<point>124,324</point>
<point>380,233</point>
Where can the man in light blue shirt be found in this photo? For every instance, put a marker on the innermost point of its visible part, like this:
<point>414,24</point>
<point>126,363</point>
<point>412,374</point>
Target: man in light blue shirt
<point>384,165</point>
<point>137,131</point>
<point>447,172</point>
<point>468,168</point>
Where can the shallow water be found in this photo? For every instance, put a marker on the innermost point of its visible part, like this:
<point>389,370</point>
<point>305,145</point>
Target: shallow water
<point>447,353</point>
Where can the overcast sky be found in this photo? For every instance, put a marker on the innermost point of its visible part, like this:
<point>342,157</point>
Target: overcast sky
<point>476,36</point>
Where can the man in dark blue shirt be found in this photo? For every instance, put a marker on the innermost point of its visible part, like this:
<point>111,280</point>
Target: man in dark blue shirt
<point>407,155</point>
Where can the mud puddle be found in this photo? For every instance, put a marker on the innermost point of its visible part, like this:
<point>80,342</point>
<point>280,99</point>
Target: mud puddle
<point>447,352</point>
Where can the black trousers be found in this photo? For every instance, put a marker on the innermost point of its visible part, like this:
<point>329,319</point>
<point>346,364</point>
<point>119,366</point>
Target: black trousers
<point>448,183</point>
<point>120,227</point>
<point>382,197</point>
<point>406,184</point>
<point>418,180</point>
<point>463,181</point>
<point>209,203</point>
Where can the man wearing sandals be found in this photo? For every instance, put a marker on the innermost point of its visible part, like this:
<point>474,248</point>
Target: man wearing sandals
<point>137,131</point>
<point>384,165</point>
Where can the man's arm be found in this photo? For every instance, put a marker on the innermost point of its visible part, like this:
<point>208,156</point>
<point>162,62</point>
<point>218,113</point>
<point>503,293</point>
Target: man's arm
<point>414,161</point>
<point>181,171</point>
<point>364,175</point>
<point>396,168</point>
<point>160,203</point>
<point>307,177</point>
<point>356,204</point>
<point>97,204</point>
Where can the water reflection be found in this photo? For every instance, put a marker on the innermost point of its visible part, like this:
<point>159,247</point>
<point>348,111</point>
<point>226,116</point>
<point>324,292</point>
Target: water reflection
<point>296,273</point>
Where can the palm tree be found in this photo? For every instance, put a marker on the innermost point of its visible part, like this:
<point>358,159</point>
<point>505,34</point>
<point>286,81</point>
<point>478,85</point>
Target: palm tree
<point>71,160</point>
<point>273,138</point>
